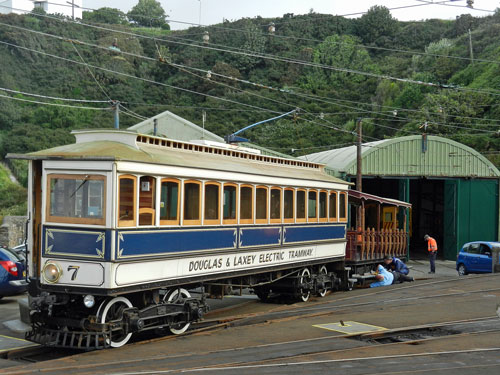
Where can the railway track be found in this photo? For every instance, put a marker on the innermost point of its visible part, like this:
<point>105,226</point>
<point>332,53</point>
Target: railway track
<point>305,353</point>
<point>276,314</point>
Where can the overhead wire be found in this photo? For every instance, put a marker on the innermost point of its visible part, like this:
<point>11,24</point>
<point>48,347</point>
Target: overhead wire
<point>295,61</point>
<point>52,97</point>
<point>265,98</point>
<point>183,68</point>
<point>161,83</point>
<point>53,104</point>
<point>278,36</point>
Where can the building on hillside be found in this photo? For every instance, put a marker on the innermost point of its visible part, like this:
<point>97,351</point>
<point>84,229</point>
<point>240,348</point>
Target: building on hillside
<point>16,6</point>
<point>453,189</point>
<point>68,8</point>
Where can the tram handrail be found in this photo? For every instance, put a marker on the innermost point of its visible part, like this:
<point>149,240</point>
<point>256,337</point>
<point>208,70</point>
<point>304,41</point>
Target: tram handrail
<point>372,244</point>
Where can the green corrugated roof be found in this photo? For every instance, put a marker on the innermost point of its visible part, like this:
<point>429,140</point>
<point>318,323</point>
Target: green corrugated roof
<point>405,156</point>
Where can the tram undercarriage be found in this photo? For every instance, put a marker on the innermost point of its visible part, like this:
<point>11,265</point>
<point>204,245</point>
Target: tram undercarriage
<point>64,320</point>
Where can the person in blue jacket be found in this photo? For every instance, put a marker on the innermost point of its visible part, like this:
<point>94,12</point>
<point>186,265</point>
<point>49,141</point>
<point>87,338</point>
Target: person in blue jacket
<point>383,277</point>
<point>398,269</point>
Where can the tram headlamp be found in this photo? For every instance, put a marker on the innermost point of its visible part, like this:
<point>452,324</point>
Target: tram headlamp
<point>89,301</point>
<point>51,272</point>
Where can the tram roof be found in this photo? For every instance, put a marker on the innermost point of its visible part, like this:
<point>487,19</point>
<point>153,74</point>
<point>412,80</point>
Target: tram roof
<point>118,145</point>
<point>358,195</point>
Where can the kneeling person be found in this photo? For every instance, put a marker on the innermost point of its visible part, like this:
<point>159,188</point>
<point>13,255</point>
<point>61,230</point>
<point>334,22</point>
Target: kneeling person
<point>398,269</point>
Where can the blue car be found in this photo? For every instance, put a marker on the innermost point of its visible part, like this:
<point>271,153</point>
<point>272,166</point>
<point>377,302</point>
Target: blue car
<point>12,273</point>
<point>476,257</point>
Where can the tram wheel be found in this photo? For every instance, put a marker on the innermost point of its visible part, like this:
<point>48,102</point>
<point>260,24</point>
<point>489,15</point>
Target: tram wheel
<point>262,293</point>
<point>322,271</point>
<point>305,277</point>
<point>113,310</point>
<point>174,297</point>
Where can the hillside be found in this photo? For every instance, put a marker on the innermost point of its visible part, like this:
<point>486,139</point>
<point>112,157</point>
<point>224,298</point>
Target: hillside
<point>400,77</point>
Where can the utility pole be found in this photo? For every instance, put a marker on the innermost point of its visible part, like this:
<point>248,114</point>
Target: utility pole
<point>470,47</point>
<point>116,112</point>
<point>359,175</point>
<point>203,120</point>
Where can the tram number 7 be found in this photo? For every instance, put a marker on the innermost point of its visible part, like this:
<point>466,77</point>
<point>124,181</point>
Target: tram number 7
<point>75,271</point>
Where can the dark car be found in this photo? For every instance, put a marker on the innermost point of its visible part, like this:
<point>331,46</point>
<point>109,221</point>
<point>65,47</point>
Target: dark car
<point>12,273</point>
<point>20,250</point>
<point>476,257</point>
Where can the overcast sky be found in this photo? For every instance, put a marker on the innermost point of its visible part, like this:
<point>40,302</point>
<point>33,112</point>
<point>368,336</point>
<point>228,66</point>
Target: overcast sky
<point>214,11</point>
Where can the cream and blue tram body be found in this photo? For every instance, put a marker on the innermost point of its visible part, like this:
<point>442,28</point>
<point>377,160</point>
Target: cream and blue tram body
<point>124,226</point>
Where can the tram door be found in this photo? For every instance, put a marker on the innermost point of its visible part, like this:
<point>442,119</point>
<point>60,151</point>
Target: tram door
<point>389,216</point>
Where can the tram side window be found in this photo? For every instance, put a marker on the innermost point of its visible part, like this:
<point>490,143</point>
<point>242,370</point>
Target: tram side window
<point>147,200</point>
<point>322,206</point>
<point>332,207</point>
<point>312,204</point>
<point>192,202</point>
<point>261,204</point>
<point>343,206</point>
<point>246,205</point>
<point>212,197</point>
<point>275,205</point>
<point>76,199</point>
<point>230,200</point>
<point>126,213</point>
<point>301,205</point>
<point>169,204</point>
<point>288,205</point>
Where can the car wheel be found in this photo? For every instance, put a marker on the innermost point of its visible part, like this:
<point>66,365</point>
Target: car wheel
<point>462,271</point>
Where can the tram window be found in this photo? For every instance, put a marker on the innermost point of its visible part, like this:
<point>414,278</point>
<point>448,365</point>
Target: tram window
<point>301,205</point>
<point>322,206</point>
<point>230,200</point>
<point>343,206</point>
<point>192,202</point>
<point>126,212</point>
<point>275,205</point>
<point>312,204</point>
<point>169,204</point>
<point>147,200</point>
<point>246,204</point>
<point>288,205</point>
<point>261,204</point>
<point>212,197</point>
<point>76,199</point>
<point>332,207</point>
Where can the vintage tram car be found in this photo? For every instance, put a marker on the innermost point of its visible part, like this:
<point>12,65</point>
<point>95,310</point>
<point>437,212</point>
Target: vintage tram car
<point>122,226</point>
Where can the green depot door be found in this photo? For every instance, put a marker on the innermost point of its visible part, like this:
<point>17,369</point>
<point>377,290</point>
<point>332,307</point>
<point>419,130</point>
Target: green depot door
<point>471,213</point>
<point>450,245</point>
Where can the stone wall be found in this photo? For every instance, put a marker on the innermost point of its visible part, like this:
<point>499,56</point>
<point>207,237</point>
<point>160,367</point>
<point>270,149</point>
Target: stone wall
<point>12,230</point>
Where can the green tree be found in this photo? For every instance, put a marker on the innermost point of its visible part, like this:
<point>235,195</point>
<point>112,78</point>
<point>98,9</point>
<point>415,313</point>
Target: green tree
<point>342,53</point>
<point>147,13</point>
<point>377,26</point>
<point>106,15</point>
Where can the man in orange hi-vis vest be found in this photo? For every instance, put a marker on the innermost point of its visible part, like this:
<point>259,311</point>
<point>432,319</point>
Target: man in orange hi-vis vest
<point>432,247</point>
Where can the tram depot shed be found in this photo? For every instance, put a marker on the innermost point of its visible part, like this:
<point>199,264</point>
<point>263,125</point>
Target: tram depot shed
<point>453,189</point>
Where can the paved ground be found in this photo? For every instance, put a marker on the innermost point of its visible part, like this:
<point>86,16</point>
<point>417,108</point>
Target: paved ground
<point>444,268</point>
<point>455,330</point>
